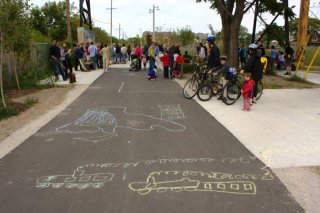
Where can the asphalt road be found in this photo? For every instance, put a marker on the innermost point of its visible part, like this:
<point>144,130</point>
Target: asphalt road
<point>132,145</point>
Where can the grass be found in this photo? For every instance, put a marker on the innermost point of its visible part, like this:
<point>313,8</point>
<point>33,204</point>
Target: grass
<point>8,112</point>
<point>296,78</point>
<point>30,101</point>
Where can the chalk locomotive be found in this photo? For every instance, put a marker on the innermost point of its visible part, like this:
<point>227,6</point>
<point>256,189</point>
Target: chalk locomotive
<point>177,181</point>
<point>78,180</point>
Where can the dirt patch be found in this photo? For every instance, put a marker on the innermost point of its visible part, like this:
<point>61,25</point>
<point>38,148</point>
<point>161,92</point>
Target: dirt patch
<point>48,99</point>
<point>315,170</point>
<point>279,82</point>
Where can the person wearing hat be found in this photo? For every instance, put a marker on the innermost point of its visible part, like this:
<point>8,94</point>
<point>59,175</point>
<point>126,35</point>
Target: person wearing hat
<point>214,55</point>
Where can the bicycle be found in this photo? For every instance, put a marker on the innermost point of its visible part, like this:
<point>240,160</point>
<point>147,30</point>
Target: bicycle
<point>191,86</point>
<point>205,91</point>
<point>231,92</point>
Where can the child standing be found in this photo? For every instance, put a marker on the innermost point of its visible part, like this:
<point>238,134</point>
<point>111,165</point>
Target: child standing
<point>246,91</point>
<point>281,60</point>
<point>144,61</point>
<point>165,62</point>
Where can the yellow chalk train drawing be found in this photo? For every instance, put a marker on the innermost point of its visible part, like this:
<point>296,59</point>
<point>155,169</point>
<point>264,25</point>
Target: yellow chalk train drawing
<point>78,180</point>
<point>177,181</point>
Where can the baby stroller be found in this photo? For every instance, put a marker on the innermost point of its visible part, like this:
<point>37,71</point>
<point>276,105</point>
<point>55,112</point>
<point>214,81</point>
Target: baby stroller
<point>134,65</point>
<point>177,70</point>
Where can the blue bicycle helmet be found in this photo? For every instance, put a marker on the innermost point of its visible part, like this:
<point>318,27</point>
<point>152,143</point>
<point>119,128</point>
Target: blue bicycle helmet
<point>211,38</point>
<point>253,46</point>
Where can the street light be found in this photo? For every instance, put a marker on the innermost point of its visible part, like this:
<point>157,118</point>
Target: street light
<point>153,11</point>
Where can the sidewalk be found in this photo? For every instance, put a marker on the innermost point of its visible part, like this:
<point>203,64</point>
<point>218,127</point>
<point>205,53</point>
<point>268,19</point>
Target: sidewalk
<point>283,131</point>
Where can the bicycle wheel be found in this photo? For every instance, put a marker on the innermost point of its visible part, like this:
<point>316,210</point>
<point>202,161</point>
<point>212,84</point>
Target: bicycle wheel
<point>190,88</point>
<point>231,92</point>
<point>260,89</point>
<point>205,92</point>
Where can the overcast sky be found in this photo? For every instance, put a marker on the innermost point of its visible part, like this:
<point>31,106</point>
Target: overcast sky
<point>133,15</point>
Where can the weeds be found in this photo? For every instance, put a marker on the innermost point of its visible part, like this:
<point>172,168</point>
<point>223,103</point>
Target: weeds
<point>8,112</point>
<point>30,101</point>
<point>297,79</point>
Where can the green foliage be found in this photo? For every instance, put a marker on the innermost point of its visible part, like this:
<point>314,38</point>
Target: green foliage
<point>275,32</point>
<point>313,23</point>
<point>32,78</point>
<point>101,35</point>
<point>8,112</point>
<point>185,36</point>
<point>14,24</point>
<point>31,101</point>
<point>296,79</point>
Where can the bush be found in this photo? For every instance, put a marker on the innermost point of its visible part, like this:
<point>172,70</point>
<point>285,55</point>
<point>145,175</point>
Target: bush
<point>30,101</point>
<point>8,112</point>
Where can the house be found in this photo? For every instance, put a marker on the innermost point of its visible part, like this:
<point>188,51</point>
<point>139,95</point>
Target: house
<point>314,39</point>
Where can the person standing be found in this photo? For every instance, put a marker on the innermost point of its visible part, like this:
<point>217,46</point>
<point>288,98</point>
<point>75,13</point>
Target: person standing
<point>152,59</point>
<point>254,66</point>
<point>77,54</point>
<point>55,57</point>
<point>273,56</point>
<point>214,56</point>
<point>246,91</point>
<point>138,54</point>
<point>129,52</point>
<point>105,53</point>
<point>289,57</point>
<point>93,50</point>
<point>243,56</point>
<point>165,62</point>
<point>202,53</point>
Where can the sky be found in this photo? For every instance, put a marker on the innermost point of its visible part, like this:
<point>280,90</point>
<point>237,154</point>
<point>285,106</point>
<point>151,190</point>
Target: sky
<point>133,15</point>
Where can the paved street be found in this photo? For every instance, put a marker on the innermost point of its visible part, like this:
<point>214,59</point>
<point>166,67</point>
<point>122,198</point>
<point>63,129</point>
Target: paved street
<point>132,145</point>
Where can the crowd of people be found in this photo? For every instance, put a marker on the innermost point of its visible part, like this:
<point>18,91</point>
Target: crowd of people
<point>169,57</point>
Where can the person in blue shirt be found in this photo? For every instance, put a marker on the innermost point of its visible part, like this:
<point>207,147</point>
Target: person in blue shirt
<point>243,55</point>
<point>273,55</point>
<point>93,50</point>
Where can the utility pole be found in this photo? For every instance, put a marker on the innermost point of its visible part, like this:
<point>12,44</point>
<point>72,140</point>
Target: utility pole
<point>111,8</point>
<point>303,29</point>
<point>140,37</point>
<point>119,31</point>
<point>153,11</point>
<point>68,20</point>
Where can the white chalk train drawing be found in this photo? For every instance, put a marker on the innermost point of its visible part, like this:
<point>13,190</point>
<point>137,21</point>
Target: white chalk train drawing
<point>171,112</point>
<point>177,181</point>
<point>99,124</point>
<point>78,180</point>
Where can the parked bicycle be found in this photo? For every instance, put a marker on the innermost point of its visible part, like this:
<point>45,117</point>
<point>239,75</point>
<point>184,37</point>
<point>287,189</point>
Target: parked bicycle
<point>232,90</point>
<point>191,86</point>
<point>209,87</point>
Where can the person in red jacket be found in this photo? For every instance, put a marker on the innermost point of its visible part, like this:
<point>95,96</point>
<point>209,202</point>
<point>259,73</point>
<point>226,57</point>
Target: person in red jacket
<point>246,91</point>
<point>165,62</point>
<point>178,63</point>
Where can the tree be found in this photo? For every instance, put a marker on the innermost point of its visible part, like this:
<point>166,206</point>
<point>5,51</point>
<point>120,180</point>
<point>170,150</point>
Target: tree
<point>231,13</point>
<point>14,32</point>
<point>314,26</point>
<point>101,35</point>
<point>274,32</point>
<point>185,36</point>
<point>68,19</point>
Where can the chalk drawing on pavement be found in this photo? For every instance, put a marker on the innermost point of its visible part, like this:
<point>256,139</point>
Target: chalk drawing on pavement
<point>171,112</point>
<point>78,180</point>
<point>166,180</point>
<point>99,124</point>
<point>177,181</point>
